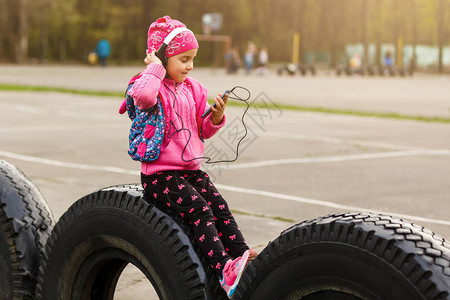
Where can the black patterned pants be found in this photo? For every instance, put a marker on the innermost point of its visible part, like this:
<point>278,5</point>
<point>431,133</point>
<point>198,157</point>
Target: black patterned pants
<point>195,198</point>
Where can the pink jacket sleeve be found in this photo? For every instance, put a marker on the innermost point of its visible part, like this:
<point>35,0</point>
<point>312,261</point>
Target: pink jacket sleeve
<point>209,129</point>
<point>145,89</point>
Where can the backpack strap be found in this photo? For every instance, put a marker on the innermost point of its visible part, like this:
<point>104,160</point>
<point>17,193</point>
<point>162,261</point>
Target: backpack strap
<point>125,104</point>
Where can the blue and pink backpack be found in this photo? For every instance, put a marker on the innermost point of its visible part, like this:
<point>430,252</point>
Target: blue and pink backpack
<point>148,125</point>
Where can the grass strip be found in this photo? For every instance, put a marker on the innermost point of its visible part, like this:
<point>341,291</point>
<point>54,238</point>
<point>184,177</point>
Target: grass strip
<point>35,88</point>
<point>336,111</point>
<point>387,115</point>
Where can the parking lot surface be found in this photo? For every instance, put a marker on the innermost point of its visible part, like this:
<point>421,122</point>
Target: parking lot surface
<point>292,166</point>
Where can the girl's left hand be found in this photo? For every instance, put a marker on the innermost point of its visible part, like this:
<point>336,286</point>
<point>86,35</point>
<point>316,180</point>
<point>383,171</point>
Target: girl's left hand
<point>218,111</point>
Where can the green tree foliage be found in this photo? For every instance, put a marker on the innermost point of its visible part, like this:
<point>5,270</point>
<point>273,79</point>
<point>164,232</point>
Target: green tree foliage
<point>67,30</point>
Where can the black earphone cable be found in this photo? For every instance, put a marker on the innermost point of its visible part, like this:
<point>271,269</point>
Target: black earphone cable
<point>208,159</point>
<point>237,98</point>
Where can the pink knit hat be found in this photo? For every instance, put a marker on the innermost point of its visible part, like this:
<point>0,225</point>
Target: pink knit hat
<point>158,31</point>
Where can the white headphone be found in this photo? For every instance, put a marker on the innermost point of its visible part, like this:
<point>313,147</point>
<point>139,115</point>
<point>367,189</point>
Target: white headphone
<point>161,53</point>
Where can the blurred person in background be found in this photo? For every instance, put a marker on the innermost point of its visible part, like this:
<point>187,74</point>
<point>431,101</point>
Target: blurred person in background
<point>263,61</point>
<point>249,56</point>
<point>103,50</point>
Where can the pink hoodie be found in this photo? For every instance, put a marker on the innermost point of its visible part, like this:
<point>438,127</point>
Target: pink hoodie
<point>182,147</point>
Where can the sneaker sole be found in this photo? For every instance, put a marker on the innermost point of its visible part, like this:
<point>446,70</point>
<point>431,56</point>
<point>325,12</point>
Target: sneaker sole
<point>238,277</point>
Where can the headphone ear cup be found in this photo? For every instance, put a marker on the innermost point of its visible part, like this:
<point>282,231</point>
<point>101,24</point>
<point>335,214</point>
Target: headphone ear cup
<point>161,54</point>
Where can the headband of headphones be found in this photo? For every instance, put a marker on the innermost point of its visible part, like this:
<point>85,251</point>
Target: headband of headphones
<point>173,34</point>
<point>161,53</point>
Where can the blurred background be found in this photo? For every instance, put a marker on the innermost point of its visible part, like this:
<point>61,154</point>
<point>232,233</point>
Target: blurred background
<point>316,146</point>
<point>325,33</point>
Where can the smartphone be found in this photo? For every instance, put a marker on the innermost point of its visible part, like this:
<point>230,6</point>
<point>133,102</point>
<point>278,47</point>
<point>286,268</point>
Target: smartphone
<point>206,113</point>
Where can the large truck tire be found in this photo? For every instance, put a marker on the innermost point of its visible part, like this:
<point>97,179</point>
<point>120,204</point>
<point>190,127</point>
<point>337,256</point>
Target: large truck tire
<point>104,231</point>
<point>26,222</point>
<point>350,256</point>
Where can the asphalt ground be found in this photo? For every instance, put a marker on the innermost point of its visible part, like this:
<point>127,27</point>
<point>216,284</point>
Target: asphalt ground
<point>293,165</point>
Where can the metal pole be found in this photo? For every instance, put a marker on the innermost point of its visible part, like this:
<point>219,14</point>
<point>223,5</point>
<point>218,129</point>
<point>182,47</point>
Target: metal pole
<point>296,48</point>
<point>400,52</point>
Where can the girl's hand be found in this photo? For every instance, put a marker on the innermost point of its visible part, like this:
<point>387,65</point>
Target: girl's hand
<point>217,112</point>
<point>152,58</point>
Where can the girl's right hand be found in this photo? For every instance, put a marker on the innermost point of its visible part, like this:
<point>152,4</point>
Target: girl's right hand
<point>152,58</point>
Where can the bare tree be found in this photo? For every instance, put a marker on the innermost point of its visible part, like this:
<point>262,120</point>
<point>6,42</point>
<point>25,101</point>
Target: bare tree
<point>60,29</point>
<point>22,32</point>
<point>441,32</point>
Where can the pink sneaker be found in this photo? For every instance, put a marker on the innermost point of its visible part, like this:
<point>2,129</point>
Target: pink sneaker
<point>232,273</point>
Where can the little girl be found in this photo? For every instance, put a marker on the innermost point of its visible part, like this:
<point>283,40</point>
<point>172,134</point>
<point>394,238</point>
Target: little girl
<point>167,137</point>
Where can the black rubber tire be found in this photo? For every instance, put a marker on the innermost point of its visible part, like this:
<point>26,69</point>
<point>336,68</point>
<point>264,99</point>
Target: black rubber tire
<point>302,69</point>
<point>281,69</point>
<point>349,71</point>
<point>104,231</point>
<point>350,256</point>
<point>26,222</point>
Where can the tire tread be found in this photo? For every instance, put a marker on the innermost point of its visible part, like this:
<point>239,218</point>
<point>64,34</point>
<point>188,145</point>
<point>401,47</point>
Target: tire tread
<point>164,224</point>
<point>26,221</point>
<point>418,253</point>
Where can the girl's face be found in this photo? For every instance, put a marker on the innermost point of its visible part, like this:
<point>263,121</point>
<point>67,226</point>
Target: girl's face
<point>178,66</point>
